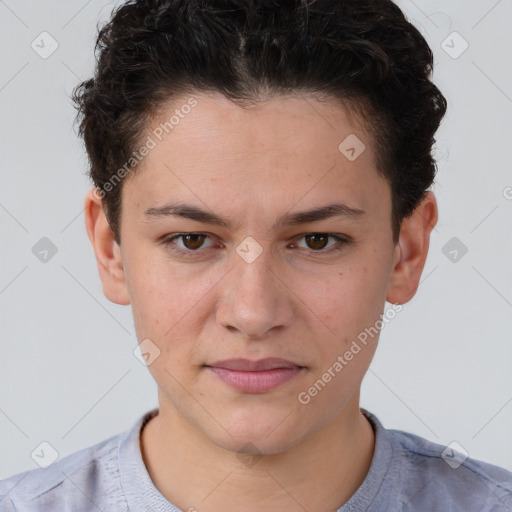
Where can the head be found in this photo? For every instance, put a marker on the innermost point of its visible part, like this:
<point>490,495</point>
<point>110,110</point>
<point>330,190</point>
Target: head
<point>231,120</point>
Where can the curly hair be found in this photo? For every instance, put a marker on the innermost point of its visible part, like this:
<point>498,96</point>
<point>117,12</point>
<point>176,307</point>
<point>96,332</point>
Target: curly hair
<point>364,53</point>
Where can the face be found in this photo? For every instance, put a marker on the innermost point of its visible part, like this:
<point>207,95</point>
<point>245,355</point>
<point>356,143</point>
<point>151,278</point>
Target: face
<point>252,279</point>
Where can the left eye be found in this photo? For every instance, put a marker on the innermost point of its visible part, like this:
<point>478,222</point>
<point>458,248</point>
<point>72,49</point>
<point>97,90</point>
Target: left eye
<point>318,241</point>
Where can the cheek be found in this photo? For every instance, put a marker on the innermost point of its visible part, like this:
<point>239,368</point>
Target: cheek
<point>350,299</point>
<point>148,304</point>
<point>165,312</point>
<point>347,339</point>
<point>154,292</point>
<point>347,307</point>
<point>168,304</point>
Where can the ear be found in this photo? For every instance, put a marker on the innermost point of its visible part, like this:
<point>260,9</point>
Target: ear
<point>106,249</point>
<point>411,251</point>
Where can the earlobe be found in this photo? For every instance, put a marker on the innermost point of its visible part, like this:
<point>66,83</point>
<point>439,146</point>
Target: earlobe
<point>106,250</point>
<point>411,251</point>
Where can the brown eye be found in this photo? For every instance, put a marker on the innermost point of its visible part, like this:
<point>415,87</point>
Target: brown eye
<point>192,241</point>
<point>322,242</point>
<point>188,244</point>
<point>317,241</point>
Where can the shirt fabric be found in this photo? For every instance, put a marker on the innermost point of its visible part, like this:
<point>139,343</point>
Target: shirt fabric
<point>407,473</point>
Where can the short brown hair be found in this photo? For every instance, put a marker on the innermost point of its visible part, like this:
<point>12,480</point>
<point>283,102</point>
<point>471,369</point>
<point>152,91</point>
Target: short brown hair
<point>363,52</point>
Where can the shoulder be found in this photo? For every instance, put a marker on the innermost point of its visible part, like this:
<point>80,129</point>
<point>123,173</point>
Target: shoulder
<point>83,480</point>
<point>433,475</point>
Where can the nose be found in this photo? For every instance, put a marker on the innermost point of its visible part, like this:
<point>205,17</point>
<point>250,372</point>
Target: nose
<point>255,299</point>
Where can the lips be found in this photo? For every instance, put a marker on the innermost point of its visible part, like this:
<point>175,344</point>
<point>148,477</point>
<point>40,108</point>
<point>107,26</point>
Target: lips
<point>247,376</point>
<point>247,365</point>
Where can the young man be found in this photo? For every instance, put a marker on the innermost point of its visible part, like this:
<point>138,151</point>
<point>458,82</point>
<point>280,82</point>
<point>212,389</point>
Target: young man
<point>261,182</point>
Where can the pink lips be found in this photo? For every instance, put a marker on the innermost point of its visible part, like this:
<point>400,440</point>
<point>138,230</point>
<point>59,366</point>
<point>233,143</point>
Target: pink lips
<point>255,376</point>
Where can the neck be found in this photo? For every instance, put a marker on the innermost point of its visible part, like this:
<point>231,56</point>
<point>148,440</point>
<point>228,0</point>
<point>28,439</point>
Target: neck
<point>321,473</point>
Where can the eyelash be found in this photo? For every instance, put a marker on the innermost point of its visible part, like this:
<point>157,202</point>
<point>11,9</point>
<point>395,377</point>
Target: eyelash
<point>168,242</point>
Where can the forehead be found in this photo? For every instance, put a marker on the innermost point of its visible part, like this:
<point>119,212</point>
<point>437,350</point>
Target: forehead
<point>298,122</point>
<point>274,153</point>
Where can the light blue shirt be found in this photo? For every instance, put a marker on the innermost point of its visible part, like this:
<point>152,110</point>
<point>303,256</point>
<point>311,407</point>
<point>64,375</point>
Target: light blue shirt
<point>407,473</point>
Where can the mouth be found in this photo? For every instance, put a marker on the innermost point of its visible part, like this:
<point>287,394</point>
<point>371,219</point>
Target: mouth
<point>260,376</point>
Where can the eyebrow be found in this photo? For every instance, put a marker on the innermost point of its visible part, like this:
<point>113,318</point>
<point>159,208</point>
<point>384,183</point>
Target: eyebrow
<point>192,212</point>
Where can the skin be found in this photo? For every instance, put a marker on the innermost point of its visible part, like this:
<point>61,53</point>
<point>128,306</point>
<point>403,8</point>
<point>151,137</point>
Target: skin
<point>296,300</point>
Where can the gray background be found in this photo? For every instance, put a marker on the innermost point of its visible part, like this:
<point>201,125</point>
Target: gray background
<point>68,375</point>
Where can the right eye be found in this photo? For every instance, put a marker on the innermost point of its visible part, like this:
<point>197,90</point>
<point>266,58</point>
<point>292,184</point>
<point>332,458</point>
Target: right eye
<point>190,242</point>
